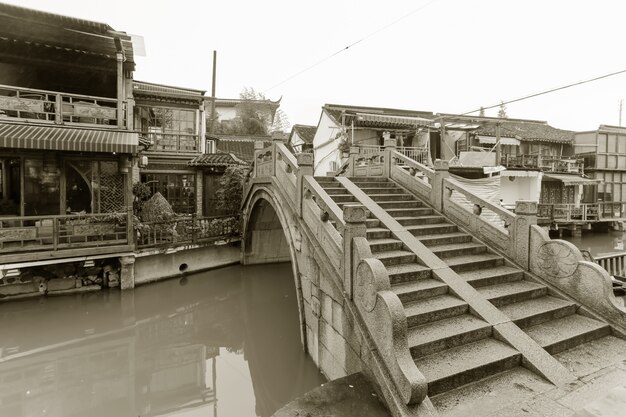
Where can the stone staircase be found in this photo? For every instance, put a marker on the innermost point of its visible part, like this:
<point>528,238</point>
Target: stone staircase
<point>451,346</point>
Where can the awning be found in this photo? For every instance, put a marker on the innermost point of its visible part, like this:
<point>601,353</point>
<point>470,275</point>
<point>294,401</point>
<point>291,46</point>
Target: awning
<point>58,138</point>
<point>384,120</point>
<point>521,173</point>
<point>572,179</point>
<point>503,141</point>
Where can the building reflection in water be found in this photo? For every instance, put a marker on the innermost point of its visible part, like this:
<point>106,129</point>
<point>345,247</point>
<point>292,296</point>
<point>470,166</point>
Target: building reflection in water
<point>225,342</point>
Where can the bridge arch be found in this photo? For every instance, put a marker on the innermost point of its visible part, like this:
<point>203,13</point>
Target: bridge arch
<point>268,237</point>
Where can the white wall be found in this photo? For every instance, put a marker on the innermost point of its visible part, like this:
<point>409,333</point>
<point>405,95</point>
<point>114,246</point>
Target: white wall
<point>324,145</point>
<point>521,188</point>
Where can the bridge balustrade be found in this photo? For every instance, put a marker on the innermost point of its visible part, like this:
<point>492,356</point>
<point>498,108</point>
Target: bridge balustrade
<point>364,280</point>
<point>341,234</point>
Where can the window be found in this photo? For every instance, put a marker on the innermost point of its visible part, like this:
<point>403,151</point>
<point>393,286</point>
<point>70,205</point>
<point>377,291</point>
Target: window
<point>210,146</point>
<point>178,189</point>
<point>172,129</point>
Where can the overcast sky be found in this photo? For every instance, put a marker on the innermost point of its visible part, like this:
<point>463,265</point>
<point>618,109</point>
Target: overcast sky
<point>453,56</point>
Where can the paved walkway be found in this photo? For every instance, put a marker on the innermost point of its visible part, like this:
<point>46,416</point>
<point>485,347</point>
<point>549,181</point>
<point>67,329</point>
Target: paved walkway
<point>351,396</point>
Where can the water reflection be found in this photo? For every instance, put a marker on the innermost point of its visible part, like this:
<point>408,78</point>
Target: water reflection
<point>225,342</point>
<point>599,243</point>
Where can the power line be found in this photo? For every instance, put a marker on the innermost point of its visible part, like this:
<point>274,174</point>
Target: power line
<point>371,34</point>
<point>546,92</point>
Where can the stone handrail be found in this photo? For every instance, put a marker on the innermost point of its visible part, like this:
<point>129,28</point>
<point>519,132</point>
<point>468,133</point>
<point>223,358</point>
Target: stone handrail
<point>507,216</point>
<point>329,209</point>
<point>561,264</point>
<point>367,284</point>
<point>428,172</point>
<point>420,186</point>
<point>282,153</point>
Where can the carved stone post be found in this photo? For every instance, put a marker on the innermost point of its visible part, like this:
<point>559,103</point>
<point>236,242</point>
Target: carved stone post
<point>127,272</point>
<point>525,216</point>
<point>354,215</point>
<point>305,164</point>
<point>441,173</point>
<point>390,145</point>
<point>258,147</point>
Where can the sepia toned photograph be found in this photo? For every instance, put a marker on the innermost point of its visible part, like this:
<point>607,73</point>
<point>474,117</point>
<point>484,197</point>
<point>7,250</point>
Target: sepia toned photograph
<point>411,208</point>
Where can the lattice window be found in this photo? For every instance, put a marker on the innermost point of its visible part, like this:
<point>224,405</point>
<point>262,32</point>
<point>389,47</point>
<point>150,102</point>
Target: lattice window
<point>109,192</point>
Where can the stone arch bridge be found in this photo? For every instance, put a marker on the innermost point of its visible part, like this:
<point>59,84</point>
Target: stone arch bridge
<point>437,295</point>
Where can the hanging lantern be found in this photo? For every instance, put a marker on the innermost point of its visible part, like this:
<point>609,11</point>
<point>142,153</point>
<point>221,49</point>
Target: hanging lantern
<point>124,164</point>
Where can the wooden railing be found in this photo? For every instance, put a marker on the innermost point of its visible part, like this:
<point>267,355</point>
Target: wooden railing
<point>54,233</point>
<point>544,163</point>
<point>584,212</point>
<point>188,230</point>
<point>415,153</point>
<point>54,107</point>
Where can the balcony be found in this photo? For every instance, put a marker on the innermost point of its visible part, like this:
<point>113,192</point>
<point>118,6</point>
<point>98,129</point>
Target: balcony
<point>52,107</point>
<point>581,213</point>
<point>543,163</point>
<point>29,238</point>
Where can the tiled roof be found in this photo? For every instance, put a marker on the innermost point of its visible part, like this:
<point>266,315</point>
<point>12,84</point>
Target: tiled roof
<point>216,159</point>
<point>28,28</point>
<point>336,110</point>
<point>152,89</point>
<point>306,133</point>
<point>243,148</point>
<point>527,131</point>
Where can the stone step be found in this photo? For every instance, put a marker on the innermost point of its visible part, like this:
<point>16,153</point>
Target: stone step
<point>432,309</point>
<point>378,233</point>
<point>378,185</point>
<point>343,198</point>
<point>419,290</point>
<point>491,276</point>
<point>401,204</point>
<point>512,292</point>
<point>325,179</point>
<point>445,334</point>
<point>395,257</point>
<point>445,238</point>
<point>467,363</point>
<point>435,226</point>
<point>385,245</point>
<point>409,212</point>
<point>407,273</point>
<point>373,191</point>
<point>538,310</point>
<point>567,332</point>
<point>360,180</point>
<point>458,249</point>
<point>410,221</point>
<point>474,262</point>
<point>331,191</point>
<point>392,197</point>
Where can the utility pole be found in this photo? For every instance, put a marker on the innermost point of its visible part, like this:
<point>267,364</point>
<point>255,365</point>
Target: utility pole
<point>212,125</point>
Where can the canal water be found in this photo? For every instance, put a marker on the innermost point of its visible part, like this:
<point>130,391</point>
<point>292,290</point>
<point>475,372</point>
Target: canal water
<point>600,243</point>
<point>221,343</point>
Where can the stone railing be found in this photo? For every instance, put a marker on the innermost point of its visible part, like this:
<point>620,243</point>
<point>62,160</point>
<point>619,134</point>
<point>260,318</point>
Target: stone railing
<point>412,175</point>
<point>341,234</point>
<point>42,106</point>
<point>561,264</point>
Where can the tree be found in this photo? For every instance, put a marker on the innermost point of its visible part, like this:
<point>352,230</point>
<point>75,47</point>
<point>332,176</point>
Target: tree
<point>482,112</point>
<point>230,192</point>
<point>502,111</point>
